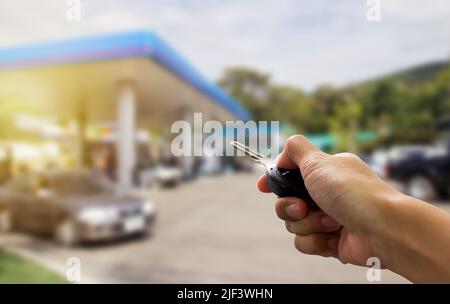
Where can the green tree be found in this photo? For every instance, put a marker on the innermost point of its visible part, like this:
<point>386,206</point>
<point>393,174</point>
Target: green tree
<point>250,87</point>
<point>267,101</point>
<point>345,124</point>
<point>398,111</point>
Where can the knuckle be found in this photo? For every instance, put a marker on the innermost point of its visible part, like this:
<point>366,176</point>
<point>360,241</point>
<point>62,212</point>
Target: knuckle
<point>309,165</point>
<point>348,156</point>
<point>293,141</point>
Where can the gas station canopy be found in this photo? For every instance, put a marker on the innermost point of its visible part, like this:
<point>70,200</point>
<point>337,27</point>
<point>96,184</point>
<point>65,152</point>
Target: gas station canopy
<point>61,75</point>
<point>133,80</point>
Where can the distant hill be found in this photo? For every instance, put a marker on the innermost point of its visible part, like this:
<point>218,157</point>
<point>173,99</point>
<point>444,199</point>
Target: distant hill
<point>415,75</point>
<point>420,74</point>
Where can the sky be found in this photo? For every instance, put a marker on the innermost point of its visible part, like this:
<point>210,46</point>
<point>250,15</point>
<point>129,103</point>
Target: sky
<point>300,43</point>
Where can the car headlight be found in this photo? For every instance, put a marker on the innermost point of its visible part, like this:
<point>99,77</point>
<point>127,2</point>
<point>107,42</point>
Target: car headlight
<point>98,215</point>
<point>148,208</point>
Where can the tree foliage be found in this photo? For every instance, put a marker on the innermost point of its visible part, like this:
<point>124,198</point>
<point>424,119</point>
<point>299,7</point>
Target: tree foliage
<point>396,110</point>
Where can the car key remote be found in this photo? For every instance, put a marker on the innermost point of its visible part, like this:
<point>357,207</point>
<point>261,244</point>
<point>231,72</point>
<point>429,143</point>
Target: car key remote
<point>282,182</point>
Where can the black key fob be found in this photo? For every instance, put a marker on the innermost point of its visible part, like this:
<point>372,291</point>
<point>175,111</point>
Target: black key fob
<point>282,182</point>
<point>289,182</point>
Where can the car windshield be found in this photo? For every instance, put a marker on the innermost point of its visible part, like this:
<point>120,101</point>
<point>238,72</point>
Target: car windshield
<point>81,184</point>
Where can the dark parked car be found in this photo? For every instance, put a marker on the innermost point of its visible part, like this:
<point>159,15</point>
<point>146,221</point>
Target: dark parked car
<point>72,207</point>
<point>425,173</point>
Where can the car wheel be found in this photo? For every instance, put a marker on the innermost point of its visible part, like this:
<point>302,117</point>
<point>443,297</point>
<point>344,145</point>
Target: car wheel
<point>66,233</point>
<point>422,188</point>
<point>5,221</point>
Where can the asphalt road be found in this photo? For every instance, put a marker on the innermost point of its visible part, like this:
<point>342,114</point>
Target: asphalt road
<point>213,230</point>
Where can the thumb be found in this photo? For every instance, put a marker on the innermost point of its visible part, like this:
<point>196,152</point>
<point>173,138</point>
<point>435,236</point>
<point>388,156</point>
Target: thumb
<point>296,150</point>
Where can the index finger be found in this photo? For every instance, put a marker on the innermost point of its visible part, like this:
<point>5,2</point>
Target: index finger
<point>297,148</point>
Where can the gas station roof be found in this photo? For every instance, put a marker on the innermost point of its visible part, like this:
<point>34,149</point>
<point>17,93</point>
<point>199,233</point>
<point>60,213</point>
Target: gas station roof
<point>122,46</point>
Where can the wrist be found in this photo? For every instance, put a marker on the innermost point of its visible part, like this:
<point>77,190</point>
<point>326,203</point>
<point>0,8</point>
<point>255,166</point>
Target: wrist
<point>387,235</point>
<point>384,229</point>
<point>410,238</point>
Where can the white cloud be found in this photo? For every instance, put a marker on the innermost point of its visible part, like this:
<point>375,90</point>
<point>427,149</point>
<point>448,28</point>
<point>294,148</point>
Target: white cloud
<point>303,43</point>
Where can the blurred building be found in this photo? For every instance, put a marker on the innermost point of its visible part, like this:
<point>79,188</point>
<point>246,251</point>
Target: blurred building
<point>127,81</point>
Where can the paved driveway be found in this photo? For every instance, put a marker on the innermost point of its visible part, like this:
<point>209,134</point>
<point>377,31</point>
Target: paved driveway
<point>214,230</point>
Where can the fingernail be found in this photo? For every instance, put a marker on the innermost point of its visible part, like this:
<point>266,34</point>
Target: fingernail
<point>333,243</point>
<point>329,222</point>
<point>293,211</point>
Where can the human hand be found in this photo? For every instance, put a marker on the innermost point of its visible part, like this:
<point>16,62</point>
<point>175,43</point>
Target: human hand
<point>351,196</point>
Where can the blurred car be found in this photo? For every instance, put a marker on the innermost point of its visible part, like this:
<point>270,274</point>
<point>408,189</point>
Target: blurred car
<point>167,176</point>
<point>424,171</point>
<point>378,162</point>
<point>373,162</point>
<point>211,165</point>
<point>73,207</point>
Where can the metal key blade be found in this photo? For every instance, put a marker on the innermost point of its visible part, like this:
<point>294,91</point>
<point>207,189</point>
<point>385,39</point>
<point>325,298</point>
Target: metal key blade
<point>252,154</point>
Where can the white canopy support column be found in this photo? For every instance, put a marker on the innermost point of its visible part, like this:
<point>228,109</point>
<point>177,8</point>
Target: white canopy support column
<point>81,136</point>
<point>126,143</point>
<point>187,162</point>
